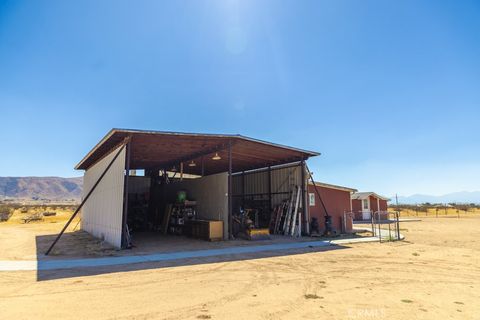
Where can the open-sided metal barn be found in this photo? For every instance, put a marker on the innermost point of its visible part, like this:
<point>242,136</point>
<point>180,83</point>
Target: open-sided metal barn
<point>220,174</point>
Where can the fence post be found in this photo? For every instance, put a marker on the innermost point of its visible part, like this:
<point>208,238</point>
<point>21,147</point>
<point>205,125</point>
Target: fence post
<point>379,230</point>
<point>373,228</point>
<point>389,231</point>
<point>398,227</point>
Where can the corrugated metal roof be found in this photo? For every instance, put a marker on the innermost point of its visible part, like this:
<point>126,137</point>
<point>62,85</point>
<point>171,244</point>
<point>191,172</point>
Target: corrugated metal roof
<point>162,148</point>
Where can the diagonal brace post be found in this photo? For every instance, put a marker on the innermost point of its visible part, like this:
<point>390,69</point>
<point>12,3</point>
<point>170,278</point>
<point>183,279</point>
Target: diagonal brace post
<point>86,198</point>
<point>318,193</point>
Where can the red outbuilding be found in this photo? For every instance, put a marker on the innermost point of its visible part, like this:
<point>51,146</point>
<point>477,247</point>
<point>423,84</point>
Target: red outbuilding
<point>337,203</point>
<point>364,204</point>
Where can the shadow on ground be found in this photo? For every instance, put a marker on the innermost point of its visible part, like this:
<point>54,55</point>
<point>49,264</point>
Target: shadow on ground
<point>80,247</point>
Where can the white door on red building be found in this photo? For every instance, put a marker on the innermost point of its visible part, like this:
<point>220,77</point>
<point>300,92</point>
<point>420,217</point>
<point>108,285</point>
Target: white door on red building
<point>366,213</point>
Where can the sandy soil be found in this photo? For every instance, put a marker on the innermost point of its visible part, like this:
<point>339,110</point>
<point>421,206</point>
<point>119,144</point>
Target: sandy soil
<point>21,241</point>
<point>434,274</point>
<point>31,241</point>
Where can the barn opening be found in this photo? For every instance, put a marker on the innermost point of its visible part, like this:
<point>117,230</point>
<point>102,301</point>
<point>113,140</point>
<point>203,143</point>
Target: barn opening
<point>186,184</point>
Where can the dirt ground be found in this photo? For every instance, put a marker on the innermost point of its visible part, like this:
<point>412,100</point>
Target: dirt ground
<point>433,274</point>
<point>31,241</point>
<point>20,241</point>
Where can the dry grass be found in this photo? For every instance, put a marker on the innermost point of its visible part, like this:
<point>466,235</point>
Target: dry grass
<point>364,281</point>
<point>18,215</point>
<point>439,213</point>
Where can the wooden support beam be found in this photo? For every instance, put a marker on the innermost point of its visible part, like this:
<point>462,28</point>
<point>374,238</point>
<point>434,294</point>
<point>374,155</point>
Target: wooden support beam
<point>230,203</point>
<point>243,190</point>
<point>181,171</point>
<point>305,203</point>
<point>196,155</point>
<point>270,189</point>
<point>125,232</point>
<point>317,192</point>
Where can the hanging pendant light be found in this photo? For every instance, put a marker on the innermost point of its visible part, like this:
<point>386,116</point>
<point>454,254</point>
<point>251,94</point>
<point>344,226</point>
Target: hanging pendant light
<point>192,164</point>
<point>216,156</point>
<point>174,169</point>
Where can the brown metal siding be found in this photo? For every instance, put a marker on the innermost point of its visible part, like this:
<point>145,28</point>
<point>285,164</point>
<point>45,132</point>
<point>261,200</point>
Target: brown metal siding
<point>255,184</point>
<point>283,182</point>
<point>254,187</point>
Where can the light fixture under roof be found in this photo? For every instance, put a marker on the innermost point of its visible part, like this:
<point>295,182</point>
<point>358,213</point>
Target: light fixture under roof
<point>216,156</point>
<point>174,169</point>
<point>192,164</point>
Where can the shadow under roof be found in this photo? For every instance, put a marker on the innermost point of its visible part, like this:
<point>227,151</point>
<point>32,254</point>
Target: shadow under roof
<point>161,149</point>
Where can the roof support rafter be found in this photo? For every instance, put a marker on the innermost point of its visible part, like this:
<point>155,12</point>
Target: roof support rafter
<point>193,156</point>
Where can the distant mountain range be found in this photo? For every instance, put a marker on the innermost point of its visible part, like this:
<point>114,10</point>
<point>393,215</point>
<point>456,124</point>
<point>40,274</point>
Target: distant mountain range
<point>57,189</point>
<point>41,189</point>
<point>457,197</point>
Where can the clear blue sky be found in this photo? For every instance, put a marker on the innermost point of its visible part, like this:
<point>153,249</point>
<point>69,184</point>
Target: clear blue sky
<point>387,91</point>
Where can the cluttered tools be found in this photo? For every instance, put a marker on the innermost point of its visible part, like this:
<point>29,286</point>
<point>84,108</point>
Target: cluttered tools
<point>286,217</point>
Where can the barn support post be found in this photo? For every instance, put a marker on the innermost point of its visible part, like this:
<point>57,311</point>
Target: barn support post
<point>270,189</point>
<point>125,232</point>
<point>304,201</point>
<point>230,203</point>
<point>86,198</point>
<point>243,189</point>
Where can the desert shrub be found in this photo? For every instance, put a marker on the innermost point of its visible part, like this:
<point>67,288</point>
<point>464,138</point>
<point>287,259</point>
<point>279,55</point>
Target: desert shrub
<point>5,212</point>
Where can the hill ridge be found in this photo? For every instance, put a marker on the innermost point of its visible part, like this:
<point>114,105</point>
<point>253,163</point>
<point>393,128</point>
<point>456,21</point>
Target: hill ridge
<point>41,188</point>
<point>457,197</point>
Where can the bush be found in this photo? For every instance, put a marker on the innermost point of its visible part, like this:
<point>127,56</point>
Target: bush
<point>5,212</point>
